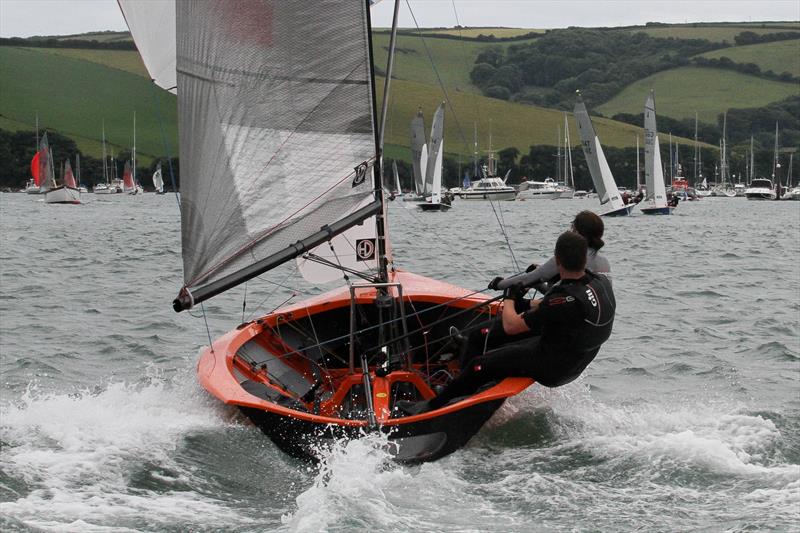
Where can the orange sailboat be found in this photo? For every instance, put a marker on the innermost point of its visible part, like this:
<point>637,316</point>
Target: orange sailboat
<point>281,150</point>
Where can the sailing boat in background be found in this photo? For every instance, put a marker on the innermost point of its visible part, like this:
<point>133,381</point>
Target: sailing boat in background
<point>252,199</point>
<point>791,193</point>
<point>602,177</point>
<point>32,186</point>
<point>433,171</point>
<point>158,181</point>
<point>128,185</point>
<point>419,156</point>
<point>725,189</point>
<point>656,196</point>
<point>108,185</point>
<point>68,192</point>
<point>763,188</point>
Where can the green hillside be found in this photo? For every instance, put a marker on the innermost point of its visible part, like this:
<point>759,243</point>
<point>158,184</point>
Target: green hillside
<point>512,124</point>
<point>779,56</point>
<point>454,59</point>
<point>716,33</point>
<point>682,91</point>
<point>127,60</point>
<point>74,96</point>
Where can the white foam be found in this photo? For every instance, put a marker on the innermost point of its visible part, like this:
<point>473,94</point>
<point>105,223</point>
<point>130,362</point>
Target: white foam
<point>75,452</point>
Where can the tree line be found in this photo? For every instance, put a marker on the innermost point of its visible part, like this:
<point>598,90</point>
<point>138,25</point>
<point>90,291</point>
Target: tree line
<point>600,63</point>
<point>18,148</point>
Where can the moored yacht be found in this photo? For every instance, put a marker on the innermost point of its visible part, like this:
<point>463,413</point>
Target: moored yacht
<point>538,190</point>
<point>490,188</point>
<point>760,189</point>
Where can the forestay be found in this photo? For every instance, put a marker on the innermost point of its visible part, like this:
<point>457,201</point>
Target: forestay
<point>602,176</point>
<point>277,135</point>
<point>653,171</point>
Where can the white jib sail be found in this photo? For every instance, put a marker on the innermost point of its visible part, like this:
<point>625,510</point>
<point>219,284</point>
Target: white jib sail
<point>601,174</point>
<point>653,171</point>
<point>433,172</point>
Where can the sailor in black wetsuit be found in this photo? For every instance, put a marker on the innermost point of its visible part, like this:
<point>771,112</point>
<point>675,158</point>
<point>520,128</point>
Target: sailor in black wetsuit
<point>567,328</point>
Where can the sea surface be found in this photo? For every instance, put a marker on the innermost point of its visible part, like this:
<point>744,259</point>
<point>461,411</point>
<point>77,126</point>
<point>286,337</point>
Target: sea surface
<point>688,420</point>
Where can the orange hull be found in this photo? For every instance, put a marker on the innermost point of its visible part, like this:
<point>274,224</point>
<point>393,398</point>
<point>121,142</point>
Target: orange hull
<point>228,368</point>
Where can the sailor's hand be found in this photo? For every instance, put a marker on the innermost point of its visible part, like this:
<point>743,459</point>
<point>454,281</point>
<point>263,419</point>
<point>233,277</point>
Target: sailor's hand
<point>532,267</point>
<point>496,281</point>
<point>515,291</point>
<point>535,304</point>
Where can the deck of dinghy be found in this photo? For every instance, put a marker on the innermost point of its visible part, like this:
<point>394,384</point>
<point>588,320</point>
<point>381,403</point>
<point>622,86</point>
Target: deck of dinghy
<point>289,372</point>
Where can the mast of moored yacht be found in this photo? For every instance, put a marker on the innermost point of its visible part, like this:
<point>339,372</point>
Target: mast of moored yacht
<point>133,156</point>
<point>568,155</point>
<point>105,166</point>
<point>752,172</point>
<point>696,149</point>
<point>638,168</point>
<point>775,164</point>
<point>558,152</point>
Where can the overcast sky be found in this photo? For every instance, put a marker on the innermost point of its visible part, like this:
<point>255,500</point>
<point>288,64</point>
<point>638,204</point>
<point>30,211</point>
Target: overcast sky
<point>23,18</point>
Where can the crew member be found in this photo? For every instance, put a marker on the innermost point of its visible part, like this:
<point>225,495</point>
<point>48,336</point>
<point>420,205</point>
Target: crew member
<point>490,335</point>
<point>570,324</point>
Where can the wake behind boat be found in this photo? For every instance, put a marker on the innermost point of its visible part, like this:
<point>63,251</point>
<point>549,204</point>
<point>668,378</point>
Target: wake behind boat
<point>335,365</point>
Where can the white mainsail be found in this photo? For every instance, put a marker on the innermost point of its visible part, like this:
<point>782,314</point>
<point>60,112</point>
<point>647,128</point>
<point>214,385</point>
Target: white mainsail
<point>602,177</point>
<point>433,172</point>
<point>419,146</point>
<point>277,133</point>
<point>158,180</point>
<point>653,171</point>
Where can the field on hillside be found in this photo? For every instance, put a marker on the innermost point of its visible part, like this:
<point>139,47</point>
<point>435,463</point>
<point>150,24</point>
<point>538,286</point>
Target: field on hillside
<point>712,33</point>
<point>127,60</point>
<point>453,59</point>
<point>511,124</point>
<point>780,56</point>
<point>87,93</point>
<point>682,91</point>
<point>474,32</point>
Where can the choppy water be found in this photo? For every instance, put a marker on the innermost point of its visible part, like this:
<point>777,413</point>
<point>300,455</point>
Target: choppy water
<point>689,419</point>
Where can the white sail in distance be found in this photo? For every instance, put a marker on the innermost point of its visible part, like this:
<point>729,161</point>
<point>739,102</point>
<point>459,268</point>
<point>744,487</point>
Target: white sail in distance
<point>602,177</point>
<point>418,145</point>
<point>653,170</point>
<point>433,172</point>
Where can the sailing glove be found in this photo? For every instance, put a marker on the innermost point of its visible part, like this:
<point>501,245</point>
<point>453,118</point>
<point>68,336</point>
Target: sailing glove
<point>495,282</point>
<point>515,292</point>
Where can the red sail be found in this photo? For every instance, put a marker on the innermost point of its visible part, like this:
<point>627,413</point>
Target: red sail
<point>35,169</point>
<point>69,177</point>
<point>127,178</point>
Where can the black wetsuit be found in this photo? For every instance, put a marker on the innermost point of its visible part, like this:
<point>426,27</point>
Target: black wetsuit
<point>571,323</point>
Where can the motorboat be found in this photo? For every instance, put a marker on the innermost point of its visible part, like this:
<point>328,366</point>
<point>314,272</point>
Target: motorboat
<point>760,189</point>
<point>489,188</point>
<point>538,190</point>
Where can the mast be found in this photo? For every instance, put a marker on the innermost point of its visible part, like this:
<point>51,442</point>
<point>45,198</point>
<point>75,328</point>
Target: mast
<point>380,223</point>
<point>638,171</point>
<point>568,155</point>
<point>78,168</point>
<point>789,172</point>
<point>775,164</point>
<point>696,149</point>
<point>671,162</point>
<point>723,158</point>
<point>133,156</point>
<point>105,167</point>
<point>475,150</point>
<point>752,159</point>
<point>37,131</point>
<point>558,153</point>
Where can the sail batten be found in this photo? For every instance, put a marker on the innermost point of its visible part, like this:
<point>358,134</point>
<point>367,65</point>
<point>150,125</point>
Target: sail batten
<point>277,134</point>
